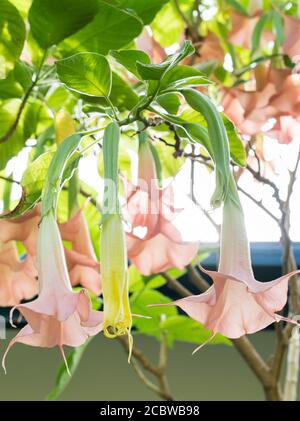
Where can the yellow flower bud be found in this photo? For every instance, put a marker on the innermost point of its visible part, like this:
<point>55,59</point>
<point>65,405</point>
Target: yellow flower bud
<point>64,126</point>
<point>114,270</point>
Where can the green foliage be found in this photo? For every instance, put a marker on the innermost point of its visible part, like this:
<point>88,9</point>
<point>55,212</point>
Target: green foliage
<point>51,21</point>
<point>12,36</point>
<point>86,73</point>
<point>185,329</point>
<point>129,59</point>
<point>8,112</point>
<point>159,71</point>
<point>110,29</point>
<point>145,9</point>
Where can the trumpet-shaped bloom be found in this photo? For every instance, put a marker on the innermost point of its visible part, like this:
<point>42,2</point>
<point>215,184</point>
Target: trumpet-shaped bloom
<point>150,212</point>
<point>236,304</point>
<point>291,44</point>
<point>117,316</point>
<point>85,272</point>
<point>58,316</point>
<point>18,279</point>
<point>276,96</point>
<point>84,269</point>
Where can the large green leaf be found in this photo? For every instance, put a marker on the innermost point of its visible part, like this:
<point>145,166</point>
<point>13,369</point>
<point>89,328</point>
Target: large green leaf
<point>167,25</point>
<point>86,73</point>
<point>185,329</point>
<point>53,20</point>
<point>183,76</point>
<point>139,305</point>
<point>111,29</point>
<point>32,184</point>
<point>129,58</point>
<point>12,36</point>
<point>12,146</point>
<point>145,9</point>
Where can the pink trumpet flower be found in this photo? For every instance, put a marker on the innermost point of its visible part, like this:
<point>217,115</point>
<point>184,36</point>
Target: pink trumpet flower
<point>291,45</point>
<point>58,316</point>
<point>85,273</point>
<point>237,304</point>
<point>18,279</point>
<point>276,96</point>
<point>84,269</point>
<point>150,209</point>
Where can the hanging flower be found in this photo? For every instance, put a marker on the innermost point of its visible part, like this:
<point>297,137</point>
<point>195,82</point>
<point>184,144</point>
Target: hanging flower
<point>84,272</point>
<point>58,316</point>
<point>272,94</point>
<point>150,211</point>
<point>117,316</point>
<point>84,269</point>
<point>18,279</point>
<point>237,304</point>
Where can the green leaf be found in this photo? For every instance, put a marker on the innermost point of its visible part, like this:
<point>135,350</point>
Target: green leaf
<point>238,7</point>
<point>237,150</point>
<point>122,95</point>
<point>35,119</point>
<point>12,35</point>
<point>170,102</point>
<point>63,378</point>
<point>11,147</point>
<point>167,25</point>
<point>86,73</point>
<point>138,304</point>
<point>185,329</point>
<point>170,164</point>
<point>199,134</point>
<point>278,26</point>
<point>258,29</point>
<point>51,21</point>
<point>145,9</point>
<point>183,76</point>
<point>158,71</point>
<point>112,28</point>
<point>32,184</point>
<point>23,74</point>
<point>58,95</point>
<point>128,59</point>
<point>10,88</point>
<point>219,141</point>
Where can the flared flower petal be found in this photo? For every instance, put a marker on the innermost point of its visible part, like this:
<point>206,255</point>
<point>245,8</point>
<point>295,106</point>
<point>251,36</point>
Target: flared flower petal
<point>58,316</point>
<point>154,243</point>
<point>237,304</point>
<point>18,279</point>
<point>85,272</point>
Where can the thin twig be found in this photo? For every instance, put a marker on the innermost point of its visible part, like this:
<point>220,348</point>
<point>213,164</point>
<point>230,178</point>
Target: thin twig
<point>9,179</point>
<point>175,285</point>
<point>259,204</point>
<point>140,362</point>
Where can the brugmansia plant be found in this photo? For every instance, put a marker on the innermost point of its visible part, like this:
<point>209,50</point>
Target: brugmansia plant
<point>105,104</point>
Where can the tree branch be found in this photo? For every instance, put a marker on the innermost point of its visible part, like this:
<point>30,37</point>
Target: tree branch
<point>140,362</point>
